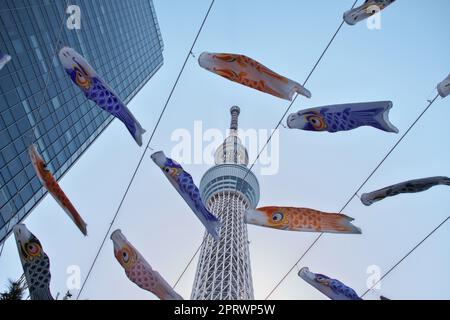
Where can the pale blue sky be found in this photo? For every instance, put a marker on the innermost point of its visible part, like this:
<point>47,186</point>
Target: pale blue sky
<point>402,62</point>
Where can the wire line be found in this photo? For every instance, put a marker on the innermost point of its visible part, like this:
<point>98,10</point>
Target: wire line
<point>145,149</point>
<point>406,256</point>
<point>273,132</point>
<point>359,188</point>
<point>188,264</point>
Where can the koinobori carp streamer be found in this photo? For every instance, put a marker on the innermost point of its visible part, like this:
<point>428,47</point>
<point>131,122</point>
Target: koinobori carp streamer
<point>332,288</point>
<point>97,90</point>
<point>184,184</point>
<point>444,87</point>
<point>411,186</point>
<point>250,73</point>
<point>366,10</point>
<point>35,263</point>
<point>344,117</point>
<point>301,219</point>
<point>139,271</point>
<point>49,182</point>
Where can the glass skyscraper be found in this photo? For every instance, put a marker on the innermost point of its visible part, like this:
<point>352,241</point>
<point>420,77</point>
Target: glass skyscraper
<point>39,103</point>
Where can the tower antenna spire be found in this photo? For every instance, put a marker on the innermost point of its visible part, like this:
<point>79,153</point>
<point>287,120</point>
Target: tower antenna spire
<point>235,112</point>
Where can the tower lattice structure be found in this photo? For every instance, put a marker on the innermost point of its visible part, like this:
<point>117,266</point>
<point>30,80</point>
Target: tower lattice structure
<point>228,190</point>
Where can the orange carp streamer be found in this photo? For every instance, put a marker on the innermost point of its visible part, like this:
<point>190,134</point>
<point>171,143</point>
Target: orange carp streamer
<point>250,73</point>
<point>52,186</point>
<point>301,219</point>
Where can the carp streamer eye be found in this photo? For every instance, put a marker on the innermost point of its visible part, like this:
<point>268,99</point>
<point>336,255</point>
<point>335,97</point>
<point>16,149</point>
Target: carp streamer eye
<point>316,121</point>
<point>126,256</point>
<point>81,78</point>
<point>33,249</point>
<point>170,171</point>
<point>277,217</point>
<point>321,279</point>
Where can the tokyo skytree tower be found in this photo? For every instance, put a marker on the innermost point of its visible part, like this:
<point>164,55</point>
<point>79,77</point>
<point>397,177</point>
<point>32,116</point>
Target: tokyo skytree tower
<point>223,271</point>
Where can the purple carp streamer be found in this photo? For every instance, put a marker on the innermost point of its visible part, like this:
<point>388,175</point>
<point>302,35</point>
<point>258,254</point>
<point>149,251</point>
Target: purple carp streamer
<point>366,10</point>
<point>184,184</point>
<point>332,288</point>
<point>96,90</point>
<point>35,263</point>
<point>139,271</point>
<point>344,117</point>
<point>250,73</point>
<point>4,59</point>
<point>411,186</point>
<point>444,87</point>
